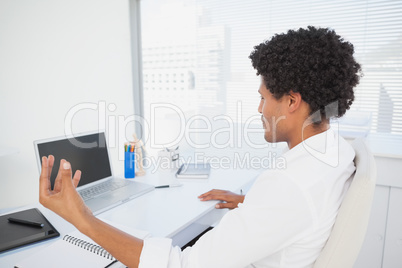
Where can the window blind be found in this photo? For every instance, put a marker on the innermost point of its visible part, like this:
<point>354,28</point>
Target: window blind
<point>207,42</point>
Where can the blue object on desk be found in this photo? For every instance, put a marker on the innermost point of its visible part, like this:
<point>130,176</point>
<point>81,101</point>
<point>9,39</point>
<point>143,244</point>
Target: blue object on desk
<point>129,165</point>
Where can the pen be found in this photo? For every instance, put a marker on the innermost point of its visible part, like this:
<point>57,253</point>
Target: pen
<point>110,264</point>
<point>26,222</point>
<point>167,186</point>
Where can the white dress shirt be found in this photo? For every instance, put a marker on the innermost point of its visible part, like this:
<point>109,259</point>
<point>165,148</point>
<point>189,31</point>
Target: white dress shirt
<point>284,221</point>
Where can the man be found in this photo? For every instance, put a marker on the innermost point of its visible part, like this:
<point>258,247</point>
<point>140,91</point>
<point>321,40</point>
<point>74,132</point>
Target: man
<point>307,76</point>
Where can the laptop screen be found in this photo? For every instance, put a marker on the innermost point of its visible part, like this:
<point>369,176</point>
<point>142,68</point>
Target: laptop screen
<point>87,153</point>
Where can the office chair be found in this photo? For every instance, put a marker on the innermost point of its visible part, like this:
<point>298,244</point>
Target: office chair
<point>348,233</point>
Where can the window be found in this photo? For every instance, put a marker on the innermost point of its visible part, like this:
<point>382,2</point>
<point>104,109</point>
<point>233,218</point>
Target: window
<point>202,47</point>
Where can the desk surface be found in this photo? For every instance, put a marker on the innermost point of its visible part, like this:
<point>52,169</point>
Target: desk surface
<point>175,212</point>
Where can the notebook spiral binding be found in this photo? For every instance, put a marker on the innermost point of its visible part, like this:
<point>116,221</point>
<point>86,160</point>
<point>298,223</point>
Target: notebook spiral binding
<point>88,246</point>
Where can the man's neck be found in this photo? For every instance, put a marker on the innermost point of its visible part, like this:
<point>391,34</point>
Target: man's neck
<point>307,132</point>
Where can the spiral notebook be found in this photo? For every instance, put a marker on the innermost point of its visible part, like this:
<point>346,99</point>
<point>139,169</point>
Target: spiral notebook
<point>194,171</point>
<point>75,250</point>
<point>71,251</point>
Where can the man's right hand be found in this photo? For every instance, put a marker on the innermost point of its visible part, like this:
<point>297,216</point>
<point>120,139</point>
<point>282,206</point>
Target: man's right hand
<point>231,200</point>
<point>64,199</point>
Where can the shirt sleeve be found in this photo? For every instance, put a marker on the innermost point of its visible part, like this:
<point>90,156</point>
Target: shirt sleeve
<point>275,214</point>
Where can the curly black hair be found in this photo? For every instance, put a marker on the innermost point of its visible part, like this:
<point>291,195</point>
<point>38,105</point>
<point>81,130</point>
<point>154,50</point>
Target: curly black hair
<point>316,62</point>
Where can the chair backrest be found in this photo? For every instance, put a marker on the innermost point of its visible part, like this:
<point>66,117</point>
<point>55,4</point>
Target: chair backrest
<point>348,233</point>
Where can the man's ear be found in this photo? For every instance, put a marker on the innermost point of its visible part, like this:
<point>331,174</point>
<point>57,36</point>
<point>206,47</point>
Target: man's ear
<point>294,101</point>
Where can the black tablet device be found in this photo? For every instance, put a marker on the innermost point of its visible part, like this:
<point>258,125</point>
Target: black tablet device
<point>23,228</point>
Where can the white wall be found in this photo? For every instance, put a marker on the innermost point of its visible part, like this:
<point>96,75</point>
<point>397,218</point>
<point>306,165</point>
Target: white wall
<point>54,55</point>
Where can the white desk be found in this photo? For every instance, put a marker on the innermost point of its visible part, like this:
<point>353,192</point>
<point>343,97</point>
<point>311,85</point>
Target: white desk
<point>175,212</point>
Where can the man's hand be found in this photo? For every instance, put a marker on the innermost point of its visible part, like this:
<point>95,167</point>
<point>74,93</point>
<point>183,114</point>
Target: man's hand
<point>231,199</point>
<point>64,198</point>
<point>66,202</point>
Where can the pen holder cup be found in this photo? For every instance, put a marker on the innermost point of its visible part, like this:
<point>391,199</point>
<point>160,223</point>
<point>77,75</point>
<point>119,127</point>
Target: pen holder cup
<point>129,165</point>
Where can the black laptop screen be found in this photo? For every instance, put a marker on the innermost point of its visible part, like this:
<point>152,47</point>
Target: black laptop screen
<point>86,153</point>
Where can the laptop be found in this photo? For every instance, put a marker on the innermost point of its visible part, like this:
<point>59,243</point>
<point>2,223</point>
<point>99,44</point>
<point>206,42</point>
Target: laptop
<point>88,152</point>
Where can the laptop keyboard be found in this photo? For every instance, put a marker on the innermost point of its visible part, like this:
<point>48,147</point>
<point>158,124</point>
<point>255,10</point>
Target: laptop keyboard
<point>101,188</point>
